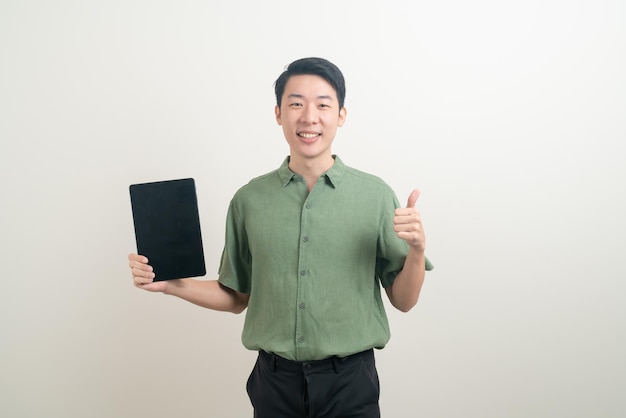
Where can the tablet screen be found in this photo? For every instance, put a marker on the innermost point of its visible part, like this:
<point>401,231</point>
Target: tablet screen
<point>167,228</point>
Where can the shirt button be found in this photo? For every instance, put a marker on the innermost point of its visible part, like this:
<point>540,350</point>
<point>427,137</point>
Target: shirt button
<point>301,340</point>
<point>301,305</point>
<point>302,273</point>
<point>305,239</point>
<point>308,206</point>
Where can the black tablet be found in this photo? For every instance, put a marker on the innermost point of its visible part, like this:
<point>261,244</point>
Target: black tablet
<point>167,227</point>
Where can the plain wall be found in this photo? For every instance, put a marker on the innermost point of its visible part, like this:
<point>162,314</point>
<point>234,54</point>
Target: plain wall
<point>509,116</point>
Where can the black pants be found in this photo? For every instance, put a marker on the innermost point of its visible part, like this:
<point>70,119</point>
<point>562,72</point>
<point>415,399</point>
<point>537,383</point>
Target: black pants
<point>332,388</point>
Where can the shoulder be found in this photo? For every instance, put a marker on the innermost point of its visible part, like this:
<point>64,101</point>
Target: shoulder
<point>259,185</point>
<point>366,180</point>
<point>367,191</point>
<point>262,180</point>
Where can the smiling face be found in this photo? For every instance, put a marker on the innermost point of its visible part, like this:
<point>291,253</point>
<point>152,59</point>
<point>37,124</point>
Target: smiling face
<point>309,115</point>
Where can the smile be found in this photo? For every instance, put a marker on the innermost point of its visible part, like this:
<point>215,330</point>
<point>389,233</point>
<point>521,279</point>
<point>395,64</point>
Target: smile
<point>307,135</point>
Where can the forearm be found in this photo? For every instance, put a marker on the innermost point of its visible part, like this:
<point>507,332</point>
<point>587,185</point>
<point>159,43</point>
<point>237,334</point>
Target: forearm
<point>208,294</point>
<point>405,290</point>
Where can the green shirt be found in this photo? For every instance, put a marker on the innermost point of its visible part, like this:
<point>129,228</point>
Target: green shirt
<point>313,263</point>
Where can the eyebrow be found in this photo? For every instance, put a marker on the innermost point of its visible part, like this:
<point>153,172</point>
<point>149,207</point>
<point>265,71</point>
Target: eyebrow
<point>300,96</point>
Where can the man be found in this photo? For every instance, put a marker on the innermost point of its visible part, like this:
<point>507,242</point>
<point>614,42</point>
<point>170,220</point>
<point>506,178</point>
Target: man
<point>307,247</point>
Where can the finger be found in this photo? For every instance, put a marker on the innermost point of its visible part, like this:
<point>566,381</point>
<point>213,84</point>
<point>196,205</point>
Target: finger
<point>137,257</point>
<point>142,277</point>
<point>142,270</point>
<point>415,194</point>
<point>153,287</point>
<point>412,226</point>
<point>140,266</point>
<point>407,216</point>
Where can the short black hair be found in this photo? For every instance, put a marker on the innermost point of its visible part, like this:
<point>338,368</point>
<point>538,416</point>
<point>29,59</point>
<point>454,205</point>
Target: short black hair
<point>312,66</point>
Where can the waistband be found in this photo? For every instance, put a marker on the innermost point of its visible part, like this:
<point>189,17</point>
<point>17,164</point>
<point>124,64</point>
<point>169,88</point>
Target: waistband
<point>274,362</point>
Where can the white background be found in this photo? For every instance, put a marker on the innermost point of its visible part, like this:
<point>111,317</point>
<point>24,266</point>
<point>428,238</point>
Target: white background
<point>509,116</point>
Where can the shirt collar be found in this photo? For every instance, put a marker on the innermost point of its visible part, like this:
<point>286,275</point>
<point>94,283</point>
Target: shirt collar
<point>333,175</point>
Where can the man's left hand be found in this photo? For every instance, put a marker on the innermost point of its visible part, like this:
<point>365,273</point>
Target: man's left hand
<point>407,222</point>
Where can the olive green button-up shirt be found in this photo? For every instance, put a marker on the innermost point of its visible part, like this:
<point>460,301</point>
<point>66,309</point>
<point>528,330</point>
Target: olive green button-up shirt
<point>312,262</point>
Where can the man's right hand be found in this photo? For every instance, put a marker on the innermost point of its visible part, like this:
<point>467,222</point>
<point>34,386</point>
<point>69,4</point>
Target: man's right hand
<point>143,276</point>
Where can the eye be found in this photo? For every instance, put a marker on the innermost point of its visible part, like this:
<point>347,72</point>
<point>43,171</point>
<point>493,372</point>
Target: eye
<point>295,104</point>
<point>324,106</point>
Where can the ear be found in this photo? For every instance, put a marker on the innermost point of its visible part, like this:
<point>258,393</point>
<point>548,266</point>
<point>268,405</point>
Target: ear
<point>277,114</point>
<point>342,116</point>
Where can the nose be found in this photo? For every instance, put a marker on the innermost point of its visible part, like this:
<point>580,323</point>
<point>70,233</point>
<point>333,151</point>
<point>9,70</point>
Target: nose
<point>309,114</point>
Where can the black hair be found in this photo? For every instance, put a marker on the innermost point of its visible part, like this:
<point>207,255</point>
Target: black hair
<point>313,66</point>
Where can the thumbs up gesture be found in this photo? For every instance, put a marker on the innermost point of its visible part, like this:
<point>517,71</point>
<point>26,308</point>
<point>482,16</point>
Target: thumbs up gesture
<point>407,223</point>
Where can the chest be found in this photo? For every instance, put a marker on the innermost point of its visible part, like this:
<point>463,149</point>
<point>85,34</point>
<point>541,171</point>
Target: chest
<point>324,222</point>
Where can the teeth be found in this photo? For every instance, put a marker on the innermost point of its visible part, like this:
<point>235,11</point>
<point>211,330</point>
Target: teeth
<point>303,135</point>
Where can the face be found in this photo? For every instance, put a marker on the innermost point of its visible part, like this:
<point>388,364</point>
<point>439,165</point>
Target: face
<point>309,115</point>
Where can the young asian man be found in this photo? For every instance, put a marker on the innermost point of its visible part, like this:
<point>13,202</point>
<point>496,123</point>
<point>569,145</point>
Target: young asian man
<point>308,247</point>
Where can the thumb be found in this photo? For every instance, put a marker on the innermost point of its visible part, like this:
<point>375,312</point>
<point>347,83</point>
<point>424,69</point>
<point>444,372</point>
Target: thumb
<point>413,198</point>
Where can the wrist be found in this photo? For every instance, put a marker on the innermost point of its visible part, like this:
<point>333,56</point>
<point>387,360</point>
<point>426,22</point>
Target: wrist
<point>172,287</point>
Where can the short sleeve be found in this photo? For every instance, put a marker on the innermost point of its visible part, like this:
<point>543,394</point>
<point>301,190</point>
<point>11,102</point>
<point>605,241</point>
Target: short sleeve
<point>392,251</point>
<point>235,264</point>
<point>429,265</point>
